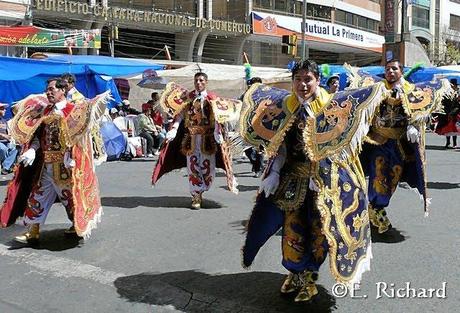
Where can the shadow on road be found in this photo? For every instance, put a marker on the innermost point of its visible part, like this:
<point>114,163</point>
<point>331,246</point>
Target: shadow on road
<point>442,185</point>
<point>243,188</point>
<point>393,235</point>
<point>156,202</point>
<point>51,240</point>
<point>193,291</point>
<point>240,225</point>
<point>4,182</point>
<point>430,147</point>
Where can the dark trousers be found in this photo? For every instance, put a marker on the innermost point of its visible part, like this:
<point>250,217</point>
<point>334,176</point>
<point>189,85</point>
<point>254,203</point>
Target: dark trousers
<point>256,159</point>
<point>153,142</point>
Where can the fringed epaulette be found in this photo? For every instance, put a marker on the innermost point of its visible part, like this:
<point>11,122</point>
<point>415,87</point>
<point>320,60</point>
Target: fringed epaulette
<point>339,129</point>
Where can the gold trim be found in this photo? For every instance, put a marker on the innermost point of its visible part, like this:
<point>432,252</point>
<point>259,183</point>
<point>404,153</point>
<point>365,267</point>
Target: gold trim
<point>332,195</point>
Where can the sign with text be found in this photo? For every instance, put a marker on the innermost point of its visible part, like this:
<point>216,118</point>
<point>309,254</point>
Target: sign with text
<point>131,15</point>
<point>279,25</point>
<point>31,36</point>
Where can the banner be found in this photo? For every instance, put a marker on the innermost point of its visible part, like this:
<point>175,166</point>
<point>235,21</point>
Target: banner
<point>31,36</point>
<point>318,31</point>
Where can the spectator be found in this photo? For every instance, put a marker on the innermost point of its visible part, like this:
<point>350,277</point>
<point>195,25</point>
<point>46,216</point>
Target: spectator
<point>8,150</point>
<point>119,121</point>
<point>158,119</point>
<point>148,130</point>
<point>333,84</point>
<point>127,109</point>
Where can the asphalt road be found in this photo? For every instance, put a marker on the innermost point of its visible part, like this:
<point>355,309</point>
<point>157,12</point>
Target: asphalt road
<point>151,253</point>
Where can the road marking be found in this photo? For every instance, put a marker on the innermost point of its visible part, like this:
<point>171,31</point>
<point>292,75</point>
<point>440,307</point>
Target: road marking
<point>62,267</point>
<point>67,268</point>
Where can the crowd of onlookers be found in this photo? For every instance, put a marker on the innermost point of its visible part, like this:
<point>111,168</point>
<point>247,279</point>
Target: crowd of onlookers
<point>150,125</point>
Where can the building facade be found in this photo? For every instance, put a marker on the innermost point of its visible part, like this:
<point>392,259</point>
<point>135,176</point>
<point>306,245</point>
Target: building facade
<point>12,13</point>
<point>219,31</point>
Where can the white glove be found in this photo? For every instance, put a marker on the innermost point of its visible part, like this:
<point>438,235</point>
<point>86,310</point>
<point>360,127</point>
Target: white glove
<point>270,183</point>
<point>218,137</point>
<point>68,161</point>
<point>171,134</point>
<point>28,157</point>
<point>413,135</point>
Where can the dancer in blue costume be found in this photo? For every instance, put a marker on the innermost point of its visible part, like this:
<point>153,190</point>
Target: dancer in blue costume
<point>313,187</point>
<point>395,145</point>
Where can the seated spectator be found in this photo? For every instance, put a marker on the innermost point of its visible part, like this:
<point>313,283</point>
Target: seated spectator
<point>119,121</point>
<point>127,109</point>
<point>157,117</point>
<point>8,149</point>
<point>148,130</point>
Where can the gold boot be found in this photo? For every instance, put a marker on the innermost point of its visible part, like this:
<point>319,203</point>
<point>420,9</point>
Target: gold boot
<point>378,217</point>
<point>308,289</point>
<point>30,236</point>
<point>290,284</point>
<point>196,201</point>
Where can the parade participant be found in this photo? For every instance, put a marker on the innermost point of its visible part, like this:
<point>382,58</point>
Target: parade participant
<point>313,187</point>
<point>254,155</point>
<point>395,148</point>
<point>333,83</point>
<point>72,93</point>
<point>57,162</point>
<point>196,138</point>
<point>447,122</point>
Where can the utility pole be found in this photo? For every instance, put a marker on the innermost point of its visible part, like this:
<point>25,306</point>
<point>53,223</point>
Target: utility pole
<point>28,22</point>
<point>403,13</point>
<point>303,29</point>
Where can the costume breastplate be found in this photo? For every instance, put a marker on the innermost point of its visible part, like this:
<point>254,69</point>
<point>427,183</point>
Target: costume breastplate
<point>199,121</point>
<point>391,114</point>
<point>294,140</point>
<point>52,143</point>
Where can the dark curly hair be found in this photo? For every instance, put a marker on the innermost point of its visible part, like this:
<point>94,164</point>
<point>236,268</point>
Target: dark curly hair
<point>308,65</point>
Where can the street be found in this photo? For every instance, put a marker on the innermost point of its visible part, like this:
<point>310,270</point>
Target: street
<point>151,253</point>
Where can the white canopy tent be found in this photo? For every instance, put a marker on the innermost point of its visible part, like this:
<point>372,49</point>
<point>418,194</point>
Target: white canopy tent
<point>225,80</point>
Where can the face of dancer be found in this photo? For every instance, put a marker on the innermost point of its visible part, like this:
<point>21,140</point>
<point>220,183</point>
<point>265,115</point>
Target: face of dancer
<point>305,84</point>
<point>200,83</point>
<point>393,72</point>
<point>54,94</point>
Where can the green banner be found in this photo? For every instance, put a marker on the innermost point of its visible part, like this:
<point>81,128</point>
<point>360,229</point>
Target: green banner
<point>31,36</point>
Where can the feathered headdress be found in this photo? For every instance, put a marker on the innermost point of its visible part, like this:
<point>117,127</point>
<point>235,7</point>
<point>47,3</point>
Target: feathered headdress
<point>247,71</point>
<point>416,67</point>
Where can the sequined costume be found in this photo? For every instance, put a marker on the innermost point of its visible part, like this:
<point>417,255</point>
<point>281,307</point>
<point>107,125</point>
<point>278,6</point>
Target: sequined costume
<point>57,133</point>
<point>388,157</point>
<point>320,203</point>
<point>198,118</point>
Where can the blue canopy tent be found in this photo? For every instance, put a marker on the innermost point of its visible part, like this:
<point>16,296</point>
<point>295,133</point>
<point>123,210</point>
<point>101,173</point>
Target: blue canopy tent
<point>21,77</point>
<point>419,75</point>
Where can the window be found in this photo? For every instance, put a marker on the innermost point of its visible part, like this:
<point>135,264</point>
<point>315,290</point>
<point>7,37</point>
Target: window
<point>264,4</point>
<point>454,22</point>
<point>420,16</point>
<point>354,20</point>
<point>281,5</point>
<point>319,11</point>
<point>340,16</point>
<point>362,22</point>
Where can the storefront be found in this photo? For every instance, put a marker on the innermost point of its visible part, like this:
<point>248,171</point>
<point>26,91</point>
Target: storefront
<point>327,42</point>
